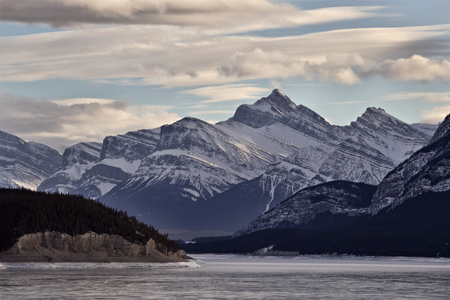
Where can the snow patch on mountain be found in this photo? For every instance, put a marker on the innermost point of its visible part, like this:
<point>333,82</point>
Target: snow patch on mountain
<point>127,166</point>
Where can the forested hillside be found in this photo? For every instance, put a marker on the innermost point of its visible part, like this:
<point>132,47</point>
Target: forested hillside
<point>23,211</point>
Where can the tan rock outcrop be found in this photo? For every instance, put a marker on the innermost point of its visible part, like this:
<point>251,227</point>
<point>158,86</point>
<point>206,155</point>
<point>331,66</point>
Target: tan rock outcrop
<point>89,247</point>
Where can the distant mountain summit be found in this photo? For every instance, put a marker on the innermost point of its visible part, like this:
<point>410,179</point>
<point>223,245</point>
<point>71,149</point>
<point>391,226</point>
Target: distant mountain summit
<point>278,108</point>
<point>200,176</point>
<point>266,111</point>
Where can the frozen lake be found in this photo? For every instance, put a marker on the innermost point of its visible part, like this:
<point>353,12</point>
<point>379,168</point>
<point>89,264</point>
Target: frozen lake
<point>232,277</point>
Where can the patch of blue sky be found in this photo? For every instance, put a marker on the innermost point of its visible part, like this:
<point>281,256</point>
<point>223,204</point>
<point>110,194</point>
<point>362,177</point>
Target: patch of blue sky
<point>15,29</point>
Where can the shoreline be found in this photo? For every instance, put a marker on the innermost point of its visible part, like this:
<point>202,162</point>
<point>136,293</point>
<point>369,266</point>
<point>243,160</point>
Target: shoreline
<point>89,247</point>
<point>6,258</point>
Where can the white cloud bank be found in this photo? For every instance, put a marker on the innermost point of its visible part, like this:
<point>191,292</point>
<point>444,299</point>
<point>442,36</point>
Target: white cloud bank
<point>416,68</point>
<point>64,123</point>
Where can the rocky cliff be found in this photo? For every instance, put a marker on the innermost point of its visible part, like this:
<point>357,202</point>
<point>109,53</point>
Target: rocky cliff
<point>88,247</point>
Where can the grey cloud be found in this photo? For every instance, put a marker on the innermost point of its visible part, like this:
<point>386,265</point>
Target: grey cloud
<point>219,15</point>
<point>73,12</point>
<point>59,125</point>
<point>437,47</point>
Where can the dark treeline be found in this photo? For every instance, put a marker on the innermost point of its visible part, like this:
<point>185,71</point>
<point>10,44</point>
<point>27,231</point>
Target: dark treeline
<point>23,211</point>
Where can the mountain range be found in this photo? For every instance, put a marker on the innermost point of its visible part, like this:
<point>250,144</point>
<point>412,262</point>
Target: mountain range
<point>200,176</point>
<point>406,214</point>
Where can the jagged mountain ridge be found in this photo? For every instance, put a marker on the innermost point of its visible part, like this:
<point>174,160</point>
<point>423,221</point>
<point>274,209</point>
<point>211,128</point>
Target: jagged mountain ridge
<point>25,164</point>
<point>274,146</point>
<point>426,172</point>
<point>95,168</point>
<point>272,140</point>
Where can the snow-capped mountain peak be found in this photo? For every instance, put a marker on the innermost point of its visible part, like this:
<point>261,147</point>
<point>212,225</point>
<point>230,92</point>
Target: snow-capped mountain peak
<point>266,111</point>
<point>377,119</point>
<point>276,102</point>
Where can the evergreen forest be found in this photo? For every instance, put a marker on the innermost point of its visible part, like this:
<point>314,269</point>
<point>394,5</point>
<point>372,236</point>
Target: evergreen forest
<point>23,211</point>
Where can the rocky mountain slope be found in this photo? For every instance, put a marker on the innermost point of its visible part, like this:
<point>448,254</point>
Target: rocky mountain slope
<point>325,205</point>
<point>335,204</point>
<point>428,170</point>
<point>188,172</point>
<point>93,169</point>
<point>25,164</point>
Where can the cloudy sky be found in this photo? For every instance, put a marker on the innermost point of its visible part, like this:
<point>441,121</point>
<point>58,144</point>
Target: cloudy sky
<point>78,70</point>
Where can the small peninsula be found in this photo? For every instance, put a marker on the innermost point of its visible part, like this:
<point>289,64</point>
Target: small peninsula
<point>43,227</point>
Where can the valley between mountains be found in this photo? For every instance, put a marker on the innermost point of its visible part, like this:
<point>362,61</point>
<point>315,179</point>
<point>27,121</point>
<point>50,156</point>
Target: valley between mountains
<point>197,176</point>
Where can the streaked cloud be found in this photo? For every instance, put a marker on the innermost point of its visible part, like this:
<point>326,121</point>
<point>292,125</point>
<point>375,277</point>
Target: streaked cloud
<point>211,112</point>
<point>186,56</point>
<point>74,101</point>
<point>342,103</point>
<point>229,15</point>
<point>426,96</point>
<point>69,121</point>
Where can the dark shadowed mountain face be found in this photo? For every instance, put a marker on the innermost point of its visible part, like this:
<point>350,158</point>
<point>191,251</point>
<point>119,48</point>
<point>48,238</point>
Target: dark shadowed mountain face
<point>417,227</point>
<point>182,173</point>
<point>407,214</point>
<point>25,164</point>
<point>332,204</point>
